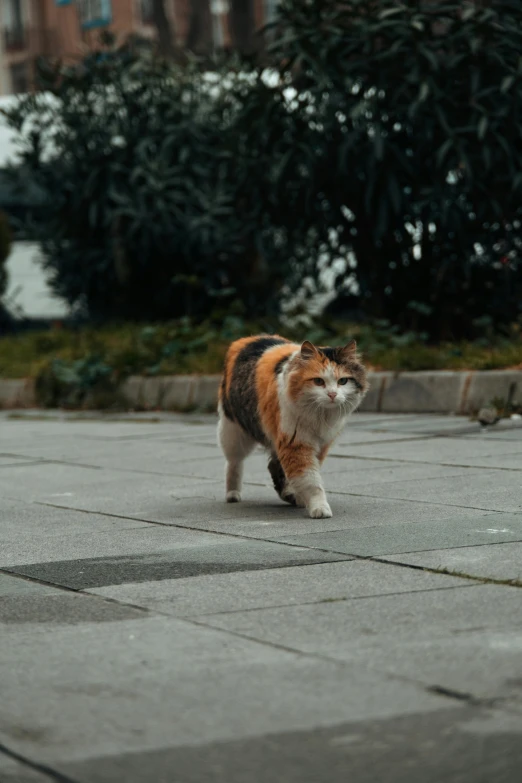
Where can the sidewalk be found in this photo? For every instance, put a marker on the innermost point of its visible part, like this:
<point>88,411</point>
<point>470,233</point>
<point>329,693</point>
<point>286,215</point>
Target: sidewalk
<point>151,633</point>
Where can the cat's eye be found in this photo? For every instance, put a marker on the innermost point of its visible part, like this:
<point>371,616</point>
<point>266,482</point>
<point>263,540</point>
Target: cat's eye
<point>318,381</point>
<point>343,381</point>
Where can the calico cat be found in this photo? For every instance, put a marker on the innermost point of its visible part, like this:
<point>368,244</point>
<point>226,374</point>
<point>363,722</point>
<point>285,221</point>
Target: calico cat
<point>293,400</point>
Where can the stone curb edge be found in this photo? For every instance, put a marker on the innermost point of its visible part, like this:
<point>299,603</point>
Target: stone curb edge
<point>461,392</point>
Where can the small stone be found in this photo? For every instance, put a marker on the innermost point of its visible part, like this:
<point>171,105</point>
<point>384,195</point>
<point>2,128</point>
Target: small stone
<point>488,416</point>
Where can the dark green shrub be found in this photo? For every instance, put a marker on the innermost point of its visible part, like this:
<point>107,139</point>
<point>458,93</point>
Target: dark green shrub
<point>412,152</point>
<point>388,135</point>
<point>151,211</point>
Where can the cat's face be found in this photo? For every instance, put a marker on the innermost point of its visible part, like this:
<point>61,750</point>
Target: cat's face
<point>328,378</point>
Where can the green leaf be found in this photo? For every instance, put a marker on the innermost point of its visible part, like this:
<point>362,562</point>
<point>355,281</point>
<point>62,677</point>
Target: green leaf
<point>424,91</point>
<point>443,151</point>
<point>506,83</point>
<point>391,12</point>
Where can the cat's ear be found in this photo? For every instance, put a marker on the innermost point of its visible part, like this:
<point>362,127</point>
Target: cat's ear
<point>348,350</point>
<point>308,350</point>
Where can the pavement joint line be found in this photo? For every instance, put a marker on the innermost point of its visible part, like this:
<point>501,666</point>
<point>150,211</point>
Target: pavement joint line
<point>464,696</point>
<point>36,766</point>
<point>46,461</point>
<point>426,462</point>
<point>341,599</point>
<point>417,438</point>
<point>486,580</point>
<point>449,548</point>
<point>402,480</point>
<point>275,645</point>
<point>23,464</point>
<point>418,500</point>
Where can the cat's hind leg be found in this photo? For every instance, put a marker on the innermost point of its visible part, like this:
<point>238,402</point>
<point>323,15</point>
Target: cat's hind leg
<point>280,481</point>
<point>236,445</point>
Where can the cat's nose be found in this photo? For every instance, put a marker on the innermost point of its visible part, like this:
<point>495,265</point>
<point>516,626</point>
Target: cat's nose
<point>332,395</point>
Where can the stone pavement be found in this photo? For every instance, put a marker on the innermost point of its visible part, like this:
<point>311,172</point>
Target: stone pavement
<point>150,633</point>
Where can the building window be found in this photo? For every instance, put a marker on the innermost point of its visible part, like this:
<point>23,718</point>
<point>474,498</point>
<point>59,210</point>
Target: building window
<point>95,13</point>
<point>12,22</point>
<point>219,10</point>
<point>271,10</point>
<point>147,11</point>
<point>19,78</point>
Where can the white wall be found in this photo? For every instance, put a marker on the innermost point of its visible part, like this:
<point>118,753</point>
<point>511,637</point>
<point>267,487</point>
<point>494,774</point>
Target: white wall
<point>27,289</point>
<point>27,286</point>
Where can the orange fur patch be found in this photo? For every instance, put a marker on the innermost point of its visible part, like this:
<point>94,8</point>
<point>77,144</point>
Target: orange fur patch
<point>266,387</point>
<point>295,459</point>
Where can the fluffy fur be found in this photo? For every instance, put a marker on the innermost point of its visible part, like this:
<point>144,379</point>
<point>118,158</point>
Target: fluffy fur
<point>292,399</point>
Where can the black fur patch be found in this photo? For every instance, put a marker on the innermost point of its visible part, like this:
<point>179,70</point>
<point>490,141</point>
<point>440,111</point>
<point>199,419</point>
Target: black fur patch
<point>335,355</point>
<point>280,364</point>
<point>332,354</point>
<point>278,477</point>
<point>227,410</point>
<point>242,398</point>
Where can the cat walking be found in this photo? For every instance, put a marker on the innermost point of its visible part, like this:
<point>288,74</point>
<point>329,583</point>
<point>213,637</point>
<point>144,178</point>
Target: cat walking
<point>292,399</point>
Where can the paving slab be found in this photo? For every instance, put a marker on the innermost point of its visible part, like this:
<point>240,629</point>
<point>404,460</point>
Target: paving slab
<point>110,688</point>
<point>514,434</point>
<point>450,450</point>
<point>467,640</point>
<point>99,490</point>
<point>61,609</point>
<point>154,632</point>
<point>262,515</point>
<point>175,562</point>
<point>461,746</point>
<point>232,592</point>
<point>342,480</point>
<point>499,561</point>
<point>100,536</point>
<point>489,490</point>
<point>415,537</point>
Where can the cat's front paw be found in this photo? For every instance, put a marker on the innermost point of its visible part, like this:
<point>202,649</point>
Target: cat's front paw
<point>321,511</point>
<point>233,496</point>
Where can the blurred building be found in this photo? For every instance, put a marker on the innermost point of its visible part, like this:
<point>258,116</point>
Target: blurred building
<point>66,28</point>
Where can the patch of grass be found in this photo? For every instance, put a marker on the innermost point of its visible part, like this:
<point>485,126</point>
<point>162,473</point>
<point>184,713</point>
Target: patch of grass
<point>164,349</point>
<point>450,356</point>
<point>486,580</point>
<point>73,365</point>
<point>179,347</point>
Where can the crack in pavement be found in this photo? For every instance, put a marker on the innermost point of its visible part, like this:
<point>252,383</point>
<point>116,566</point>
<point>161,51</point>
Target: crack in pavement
<point>36,766</point>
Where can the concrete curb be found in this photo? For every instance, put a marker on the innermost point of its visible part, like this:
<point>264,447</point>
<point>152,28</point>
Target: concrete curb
<point>17,393</point>
<point>463,392</point>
